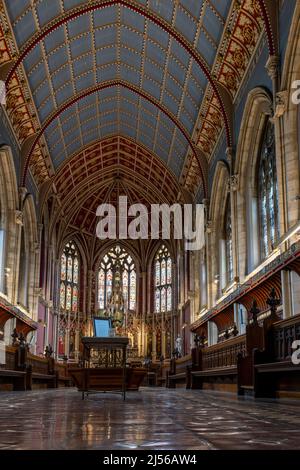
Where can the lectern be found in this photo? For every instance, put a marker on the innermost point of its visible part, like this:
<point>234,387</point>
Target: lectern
<point>104,366</point>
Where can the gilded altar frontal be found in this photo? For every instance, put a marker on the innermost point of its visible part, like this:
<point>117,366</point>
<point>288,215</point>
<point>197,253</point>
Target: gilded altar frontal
<point>149,229</point>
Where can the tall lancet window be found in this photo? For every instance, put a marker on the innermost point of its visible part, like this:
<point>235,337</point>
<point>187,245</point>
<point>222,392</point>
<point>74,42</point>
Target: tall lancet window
<point>228,242</point>
<point>69,278</point>
<point>268,192</point>
<point>117,258</point>
<point>163,281</point>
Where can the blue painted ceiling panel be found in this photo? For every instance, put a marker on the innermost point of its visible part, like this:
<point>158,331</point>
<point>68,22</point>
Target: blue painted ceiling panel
<point>81,46</point>
<point>83,64</point>
<point>130,18</point>
<point>54,39</point>
<point>46,14</point>
<point>85,81</point>
<point>186,24</point>
<point>163,8</point>
<point>79,25</point>
<point>16,8</point>
<point>105,16</point>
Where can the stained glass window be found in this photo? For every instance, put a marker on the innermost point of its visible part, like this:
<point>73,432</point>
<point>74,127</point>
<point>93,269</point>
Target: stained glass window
<point>62,295</point>
<point>163,280</point>
<point>101,288</point>
<point>228,242</point>
<point>268,192</point>
<point>117,258</point>
<point>69,277</point>
<point>63,267</point>
<point>132,289</point>
<point>109,280</point>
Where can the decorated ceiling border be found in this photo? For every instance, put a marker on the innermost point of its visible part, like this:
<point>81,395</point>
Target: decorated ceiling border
<point>243,31</point>
<point>19,105</point>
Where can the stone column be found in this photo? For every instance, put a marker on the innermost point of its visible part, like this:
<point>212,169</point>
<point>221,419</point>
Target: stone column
<point>272,67</point>
<point>143,280</point>
<point>233,187</point>
<point>55,334</point>
<point>13,282</point>
<point>67,336</point>
<point>211,285</point>
<point>286,294</point>
<point>56,300</point>
<point>153,339</point>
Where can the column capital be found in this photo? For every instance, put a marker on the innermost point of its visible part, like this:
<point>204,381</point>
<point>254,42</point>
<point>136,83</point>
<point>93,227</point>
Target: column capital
<point>209,226</point>
<point>19,217</point>
<point>281,103</point>
<point>233,182</point>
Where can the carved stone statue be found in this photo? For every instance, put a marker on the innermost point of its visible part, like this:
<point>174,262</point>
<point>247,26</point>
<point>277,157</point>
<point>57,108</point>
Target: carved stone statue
<point>178,345</point>
<point>115,304</point>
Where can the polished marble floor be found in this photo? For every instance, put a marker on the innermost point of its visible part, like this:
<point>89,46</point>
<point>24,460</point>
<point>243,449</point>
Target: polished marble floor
<point>152,419</point>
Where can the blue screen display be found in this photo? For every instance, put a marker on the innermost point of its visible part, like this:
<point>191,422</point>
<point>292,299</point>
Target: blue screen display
<point>101,327</point>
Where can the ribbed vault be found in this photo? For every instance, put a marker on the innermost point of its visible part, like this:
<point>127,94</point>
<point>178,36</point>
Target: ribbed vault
<point>103,171</point>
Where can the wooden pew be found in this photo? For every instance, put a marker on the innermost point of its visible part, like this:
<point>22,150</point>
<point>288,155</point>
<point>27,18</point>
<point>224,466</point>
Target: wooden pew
<point>40,372</point>
<point>274,374</point>
<point>12,377</point>
<point>63,377</point>
<point>162,373</point>
<point>179,372</point>
<point>217,365</point>
<point>135,377</point>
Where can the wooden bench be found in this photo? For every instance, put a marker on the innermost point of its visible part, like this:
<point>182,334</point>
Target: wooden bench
<point>13,377</point>
<point>135,377</point>
<point>268,372</point>
<point>216,365</point>
<point>40,372</point>
<point>200,376</point>
<point>179,372</point>
<point>63,378</point>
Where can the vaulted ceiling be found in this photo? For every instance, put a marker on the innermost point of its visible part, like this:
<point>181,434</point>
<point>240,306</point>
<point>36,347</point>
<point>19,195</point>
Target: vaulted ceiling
<point>150,72</point>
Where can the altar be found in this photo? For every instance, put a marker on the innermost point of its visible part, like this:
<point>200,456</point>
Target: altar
<point>104,367</point>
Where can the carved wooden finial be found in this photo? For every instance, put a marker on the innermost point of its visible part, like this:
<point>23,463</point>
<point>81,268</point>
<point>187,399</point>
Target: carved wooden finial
<point>255,311</point>
<point>273,302</point>
<point>15,337</point>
